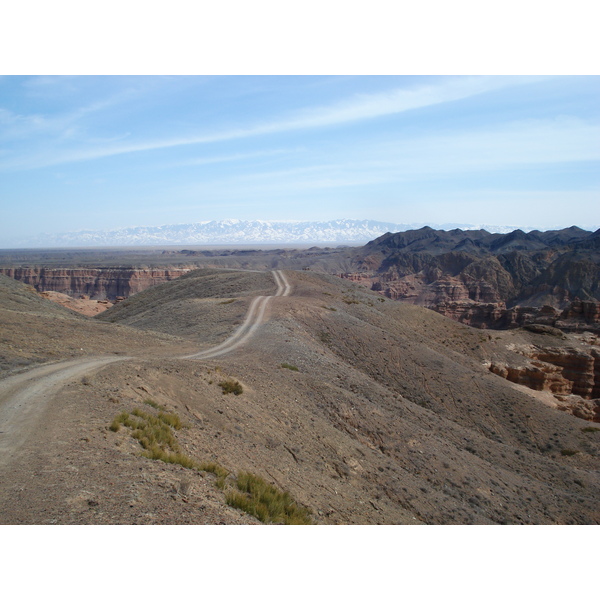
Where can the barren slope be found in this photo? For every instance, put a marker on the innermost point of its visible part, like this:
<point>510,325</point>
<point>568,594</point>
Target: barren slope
<point>392,416</point>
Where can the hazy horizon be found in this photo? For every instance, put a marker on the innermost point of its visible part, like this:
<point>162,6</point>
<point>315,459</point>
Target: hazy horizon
<point>237,234</point>
<point>102,153</point>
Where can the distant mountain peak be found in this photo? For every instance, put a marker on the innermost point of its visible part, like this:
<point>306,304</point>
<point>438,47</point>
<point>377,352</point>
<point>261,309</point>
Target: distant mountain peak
<point>239,232</point>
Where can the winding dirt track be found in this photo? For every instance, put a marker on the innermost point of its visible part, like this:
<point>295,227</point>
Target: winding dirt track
<point>254,318</point>
<point>23,397</point>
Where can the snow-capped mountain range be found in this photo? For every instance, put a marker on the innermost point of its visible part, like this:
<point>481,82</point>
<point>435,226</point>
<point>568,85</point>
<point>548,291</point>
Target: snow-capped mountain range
<point>235,232</point>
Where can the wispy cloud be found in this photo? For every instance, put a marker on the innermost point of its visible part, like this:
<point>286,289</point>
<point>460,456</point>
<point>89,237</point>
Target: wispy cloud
<point>520,143</point>
<point>17,126</point>
<point>356,108</point>
<point>416,161</point>
<point>210,160</point>
<point>369,106</point>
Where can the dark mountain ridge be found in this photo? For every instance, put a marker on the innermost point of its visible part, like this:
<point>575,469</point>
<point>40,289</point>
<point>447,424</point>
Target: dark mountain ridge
<point>436,241</point>
<point>456,272</point>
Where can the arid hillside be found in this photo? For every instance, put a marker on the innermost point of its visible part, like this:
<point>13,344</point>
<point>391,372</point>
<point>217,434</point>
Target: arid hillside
<point>364,409</point>
<point>489,281</point>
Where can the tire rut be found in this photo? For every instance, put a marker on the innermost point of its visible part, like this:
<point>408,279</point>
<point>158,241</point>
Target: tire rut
<point>24,397</point>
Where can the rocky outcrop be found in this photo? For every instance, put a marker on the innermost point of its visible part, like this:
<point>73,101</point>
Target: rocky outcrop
<point>490,280</point>
<point>578,316</point>
<point>96,284</point>
<point>536,376</point>
<point>589,410</point>
<point>580,368</point>
<point>571,374</point>
<point>484,316</point>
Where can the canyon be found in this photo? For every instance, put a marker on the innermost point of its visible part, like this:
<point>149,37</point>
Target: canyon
<point>569,371</point>
<point>489,281</point>
<point>544,282</point>
<point>93,283</point>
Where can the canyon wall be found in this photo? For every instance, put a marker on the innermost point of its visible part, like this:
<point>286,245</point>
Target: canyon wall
<point>576,317</point>
<point>96,284</point>
<point>489,280</point>
<point>480,303</point>
<point>572,375</point>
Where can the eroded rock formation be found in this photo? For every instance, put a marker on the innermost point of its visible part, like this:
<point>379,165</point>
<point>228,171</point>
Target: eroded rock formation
<point>96,284</point>
<point>490,280</point>
<point>577,316</point>
<point>572,375</point>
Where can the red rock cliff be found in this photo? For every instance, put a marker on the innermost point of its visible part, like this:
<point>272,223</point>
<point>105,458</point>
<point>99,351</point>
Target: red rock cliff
<point>97,284</point>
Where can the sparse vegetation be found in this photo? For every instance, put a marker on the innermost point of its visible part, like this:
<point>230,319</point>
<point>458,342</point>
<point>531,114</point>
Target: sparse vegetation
<point>253,494</point>
<point>325,337</point>
<point>230,301</point>
<point>590,429</point>
<point>288,366</point>
<point>231,386</point>
<point>331,308</point>
<point>154,404</point>
<point>154,433</point>
<point>266,502</point>
<point>568,452</point>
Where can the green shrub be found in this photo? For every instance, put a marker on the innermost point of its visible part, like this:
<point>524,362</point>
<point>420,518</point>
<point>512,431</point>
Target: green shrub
<point>218,470</point>
<point>253,494</point>
<point>590,429</point>
<point>170,419</point>
<point>178,458</point>
<point>231,386</point>
<point>288,366</point>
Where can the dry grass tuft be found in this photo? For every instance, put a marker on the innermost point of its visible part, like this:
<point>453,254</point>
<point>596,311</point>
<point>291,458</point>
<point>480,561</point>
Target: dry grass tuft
<point>253,494</point>
<point>155,435</point>
<point>266,502</point>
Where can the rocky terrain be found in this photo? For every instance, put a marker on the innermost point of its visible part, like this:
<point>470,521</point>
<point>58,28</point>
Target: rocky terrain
<point>482,279</point>
<point>93,284</point>
<point>364,409</point>
<point>489,280</point>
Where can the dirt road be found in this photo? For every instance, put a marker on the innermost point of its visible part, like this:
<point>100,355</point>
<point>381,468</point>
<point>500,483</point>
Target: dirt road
<point>254,318</point>
<point>23,397</point>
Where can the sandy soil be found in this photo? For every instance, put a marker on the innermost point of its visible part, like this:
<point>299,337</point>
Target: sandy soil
<point>83,306</point>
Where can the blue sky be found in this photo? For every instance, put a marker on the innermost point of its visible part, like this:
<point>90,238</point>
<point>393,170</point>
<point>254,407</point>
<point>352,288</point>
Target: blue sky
<point>104,152</point>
